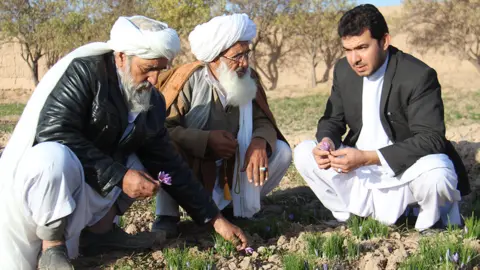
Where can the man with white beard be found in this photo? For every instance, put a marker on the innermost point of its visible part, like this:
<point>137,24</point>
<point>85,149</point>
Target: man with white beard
<point>218,116</point>
<point>90,141</point>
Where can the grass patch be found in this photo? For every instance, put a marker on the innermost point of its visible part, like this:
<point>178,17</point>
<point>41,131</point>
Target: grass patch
<point>6,126</point>
<point>294,262</point>
<point>11,109</point>
<point>223,247</point>
<point>367,228</point>
<point>178,259</point>
<point>472,227</point>
<point>294,114</point>
<point>442,252</point>
<point>332,248</point>
<point>461,107</point>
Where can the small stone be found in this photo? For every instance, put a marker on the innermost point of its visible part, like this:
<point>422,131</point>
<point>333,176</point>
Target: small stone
<point>272,248</point>
<point>157,255</point>
<point>281,240</point>
<point>131,229</point>
<point>245,264</point>
<point>274,259</point>
<point>232,266</point>
<point>262,250</point>
<point>395,235</point>
<point>255,255</point>
<point>267,266</point>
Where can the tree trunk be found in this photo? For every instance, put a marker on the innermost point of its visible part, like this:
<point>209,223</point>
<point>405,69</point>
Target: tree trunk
<point>326,73</point>
<point>313,74</point>
<point>34,70</point>
<point>475,63</point>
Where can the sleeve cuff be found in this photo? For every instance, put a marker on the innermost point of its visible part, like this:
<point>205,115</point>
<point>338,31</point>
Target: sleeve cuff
<point>200,148</point>
<point>385,165</point>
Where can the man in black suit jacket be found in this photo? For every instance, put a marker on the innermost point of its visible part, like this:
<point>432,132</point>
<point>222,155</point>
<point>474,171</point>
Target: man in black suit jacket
<point>395,153</point>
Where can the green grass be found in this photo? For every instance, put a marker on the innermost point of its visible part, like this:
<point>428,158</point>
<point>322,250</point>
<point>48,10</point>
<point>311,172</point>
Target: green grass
<point>367,228</point>
<point>178,259</point>
<point>442,252</point>
<point>296,114</point>
<point>223,247</point>
<point>11,109</point>
<point>294,262</point>
<point>461,107</point>
<point>472,227</point>
<point>332,247</point>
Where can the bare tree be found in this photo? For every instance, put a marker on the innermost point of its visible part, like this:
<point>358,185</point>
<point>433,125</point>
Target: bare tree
<point>273,34</point>
<point>448,26</point>
<point>28,23</point>
<point>316,33</point>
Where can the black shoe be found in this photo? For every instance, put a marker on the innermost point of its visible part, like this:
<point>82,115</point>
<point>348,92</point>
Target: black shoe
<point>115,239</point>
<point>55,258</point>
<point>167,224</point>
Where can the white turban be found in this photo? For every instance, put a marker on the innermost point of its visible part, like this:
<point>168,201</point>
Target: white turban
<point>208,40</point>
<point>132,39</point>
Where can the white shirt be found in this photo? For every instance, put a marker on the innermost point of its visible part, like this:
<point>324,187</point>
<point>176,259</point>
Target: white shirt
<point>373,136</point>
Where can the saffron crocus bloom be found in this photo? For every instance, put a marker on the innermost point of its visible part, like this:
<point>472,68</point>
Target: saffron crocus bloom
<point>325,266</point>
<point>455,257</point>
<point>249,250</point>
<point>291,216</point>
<point>164,178</point>
<point>325,146</point>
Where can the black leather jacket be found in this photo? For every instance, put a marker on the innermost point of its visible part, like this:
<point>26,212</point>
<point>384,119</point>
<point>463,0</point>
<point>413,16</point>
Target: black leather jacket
<point>86,111</point>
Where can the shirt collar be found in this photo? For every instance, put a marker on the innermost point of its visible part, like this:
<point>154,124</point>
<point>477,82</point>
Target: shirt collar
<point>380,72</point>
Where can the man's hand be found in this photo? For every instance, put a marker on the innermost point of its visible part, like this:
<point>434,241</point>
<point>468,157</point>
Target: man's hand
<point>321,155</point>
<point>230,232</point>
<point>222,143</point>
<point>138,184</point>
<point>348,159</point>
<point>256,162</point>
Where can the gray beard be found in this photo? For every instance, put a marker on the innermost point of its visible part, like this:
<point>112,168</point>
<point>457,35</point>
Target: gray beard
<point>239,91</point>
<point>137,96</point>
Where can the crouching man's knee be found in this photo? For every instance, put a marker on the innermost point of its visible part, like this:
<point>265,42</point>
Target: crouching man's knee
<point>303,156</point>
<point>440,182</point>
<point>49,174</point>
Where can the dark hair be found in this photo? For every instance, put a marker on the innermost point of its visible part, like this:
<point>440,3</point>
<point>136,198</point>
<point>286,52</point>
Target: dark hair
<point>360,18</point>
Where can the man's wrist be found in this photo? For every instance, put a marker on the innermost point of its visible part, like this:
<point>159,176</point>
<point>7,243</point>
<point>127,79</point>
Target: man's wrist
<point>215,219</point>
<point>371,158</point>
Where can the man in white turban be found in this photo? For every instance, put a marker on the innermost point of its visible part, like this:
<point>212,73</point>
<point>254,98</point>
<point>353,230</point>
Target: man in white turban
<point>90,141</point>
<point>218,116</point>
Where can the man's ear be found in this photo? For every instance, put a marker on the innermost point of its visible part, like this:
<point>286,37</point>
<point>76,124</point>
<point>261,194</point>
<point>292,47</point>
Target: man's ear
<point>120,59</point>
<point>386,41</point>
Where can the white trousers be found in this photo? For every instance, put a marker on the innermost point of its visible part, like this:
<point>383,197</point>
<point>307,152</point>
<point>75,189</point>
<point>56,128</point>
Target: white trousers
<point>352,193</point>
<point>49,185</point>
<point>278,165</point>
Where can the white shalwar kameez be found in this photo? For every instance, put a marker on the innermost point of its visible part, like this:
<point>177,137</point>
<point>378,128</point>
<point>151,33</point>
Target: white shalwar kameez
<point>374,190</point>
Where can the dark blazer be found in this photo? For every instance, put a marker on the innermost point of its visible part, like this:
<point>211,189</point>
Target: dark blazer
<point>87,112</point>
<point>411,112</point>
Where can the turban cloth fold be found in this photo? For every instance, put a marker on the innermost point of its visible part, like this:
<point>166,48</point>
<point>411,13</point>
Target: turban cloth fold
<point>208,40</point>
<point>126,37</point>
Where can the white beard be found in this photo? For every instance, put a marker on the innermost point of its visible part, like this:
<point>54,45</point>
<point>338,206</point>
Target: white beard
<point>239,91</point>
<point>136,95</point>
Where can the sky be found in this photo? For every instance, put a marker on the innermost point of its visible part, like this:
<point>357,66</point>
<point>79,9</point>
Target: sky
<point>380,3</point>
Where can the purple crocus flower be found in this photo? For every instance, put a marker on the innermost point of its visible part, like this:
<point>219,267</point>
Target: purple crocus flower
<point>291,216</point>
<point>316,252</point>
<point>325,146</point>
<point>249,250</point>
<point>466,229</point>
<point>164,178</point>
<point>455,257</point>
<point>188,264</point>
<point>447,256</point>
<point>267,228</point>
<point>325,266</point>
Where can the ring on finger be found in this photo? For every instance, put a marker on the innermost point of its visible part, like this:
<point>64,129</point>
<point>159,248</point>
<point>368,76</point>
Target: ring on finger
<point>263,169</point>
<point>339,170</point>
